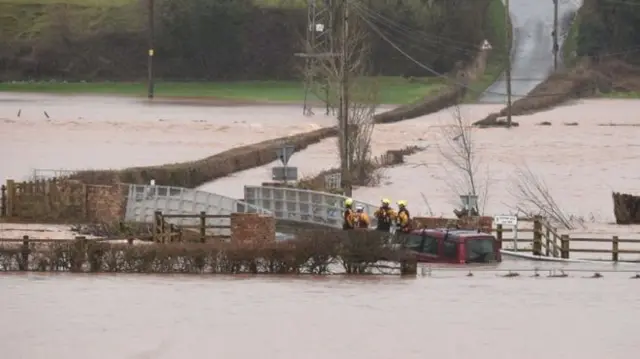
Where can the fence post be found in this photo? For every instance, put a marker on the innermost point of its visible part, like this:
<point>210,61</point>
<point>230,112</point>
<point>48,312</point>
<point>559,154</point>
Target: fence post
<point>499,235</point>
<point>85,202</point>
<point>564,246</point>
<point>615,243</point>
<point>157,225</point>
<point>80,248</point>
<point>203,226</point>
<point>11,193</point>
<point>536,247</point>
<point>24,263</point>
<point>3,201</point>
<point>548,240</point>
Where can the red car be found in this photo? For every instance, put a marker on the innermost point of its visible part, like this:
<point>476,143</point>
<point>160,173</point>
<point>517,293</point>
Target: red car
<point>451,246</point>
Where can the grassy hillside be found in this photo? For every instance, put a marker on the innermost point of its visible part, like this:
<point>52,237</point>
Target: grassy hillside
<point>97,40</point>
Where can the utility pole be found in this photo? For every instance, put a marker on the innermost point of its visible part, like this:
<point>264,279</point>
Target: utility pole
<point>151,35</point>
<point>319,47</point>
<point>556,47</point>
<point>344,102</point>
<point>507,72</point>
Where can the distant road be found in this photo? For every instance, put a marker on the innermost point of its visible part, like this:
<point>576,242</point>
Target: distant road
<point>532,58</point>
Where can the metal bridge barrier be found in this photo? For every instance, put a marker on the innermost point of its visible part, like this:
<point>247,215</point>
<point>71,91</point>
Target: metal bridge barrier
<point>301,205</point>
<point>144,200</point>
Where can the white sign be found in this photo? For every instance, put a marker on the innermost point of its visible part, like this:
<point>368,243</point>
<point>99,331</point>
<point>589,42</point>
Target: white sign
<point>506,220</point>
<point>486,45</point>
<point>318,27</point>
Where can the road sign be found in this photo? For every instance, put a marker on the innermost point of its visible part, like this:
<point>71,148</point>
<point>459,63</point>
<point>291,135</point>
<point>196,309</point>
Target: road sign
<point>332,181</point>
<point>486,45</point>
<point>511,221</point>
<point>284,153</point>
<point>469,201</point>
<point>284,173</point>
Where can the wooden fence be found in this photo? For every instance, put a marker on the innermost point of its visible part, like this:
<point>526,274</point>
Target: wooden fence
<point>164,232</point>
<point>548,242</point>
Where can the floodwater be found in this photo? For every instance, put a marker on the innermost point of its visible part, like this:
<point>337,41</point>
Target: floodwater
<point>83,132</point>
<point>446,315</point>
<point>532,48</point>
<point>580,164</point>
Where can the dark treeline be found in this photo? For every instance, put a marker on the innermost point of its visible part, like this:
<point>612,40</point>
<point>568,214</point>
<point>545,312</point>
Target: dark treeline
<point>610,28</point>
<point>217,39</point>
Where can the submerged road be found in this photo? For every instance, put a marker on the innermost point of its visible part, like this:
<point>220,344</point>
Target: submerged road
<point>532,56</point>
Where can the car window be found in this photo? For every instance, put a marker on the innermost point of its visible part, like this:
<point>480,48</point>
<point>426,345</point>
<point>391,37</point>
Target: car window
<point>430,245</point>
<point>413,242</point>
<point>450,249</point>
<point>480,250</point>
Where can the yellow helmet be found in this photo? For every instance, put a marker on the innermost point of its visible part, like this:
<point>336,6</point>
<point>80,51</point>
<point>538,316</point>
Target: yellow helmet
<point>348,202</point>
<point>386,201</point>
<point>402,203</point>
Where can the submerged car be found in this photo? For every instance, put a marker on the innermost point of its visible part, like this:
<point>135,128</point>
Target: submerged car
<point>451,246</point>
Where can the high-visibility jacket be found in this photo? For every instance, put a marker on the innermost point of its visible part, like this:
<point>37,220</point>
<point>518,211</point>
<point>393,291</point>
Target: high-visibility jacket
<point>362,220</point>
<point>349,219</point>
<point>404,220</point>
<point>385,217</point>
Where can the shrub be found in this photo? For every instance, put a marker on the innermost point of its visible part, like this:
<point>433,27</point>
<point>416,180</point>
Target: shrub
<point>312,252</point>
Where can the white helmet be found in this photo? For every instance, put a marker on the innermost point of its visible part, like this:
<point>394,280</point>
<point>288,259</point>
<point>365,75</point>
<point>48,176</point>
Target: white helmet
<point>359,208</point>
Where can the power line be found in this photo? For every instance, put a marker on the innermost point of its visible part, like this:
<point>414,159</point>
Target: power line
<point>416,35</point>
<point>366,18</point>
<point>404,30</point>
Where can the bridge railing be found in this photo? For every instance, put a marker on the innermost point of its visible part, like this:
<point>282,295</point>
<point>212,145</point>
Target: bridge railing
<point>301,205</point>
<point>144,200</point>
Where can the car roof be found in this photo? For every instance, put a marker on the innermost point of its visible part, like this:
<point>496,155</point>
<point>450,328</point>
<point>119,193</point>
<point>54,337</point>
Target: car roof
<point>454,233</point>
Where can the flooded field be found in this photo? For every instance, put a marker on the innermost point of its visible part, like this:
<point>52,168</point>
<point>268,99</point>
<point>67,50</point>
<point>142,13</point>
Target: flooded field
<point>441,313</point>
<point>580,164</point>
<point>447,315</point>
<point>108,132</point>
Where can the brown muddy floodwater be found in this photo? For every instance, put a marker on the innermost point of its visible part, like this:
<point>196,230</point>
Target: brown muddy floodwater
<point>447,315</point>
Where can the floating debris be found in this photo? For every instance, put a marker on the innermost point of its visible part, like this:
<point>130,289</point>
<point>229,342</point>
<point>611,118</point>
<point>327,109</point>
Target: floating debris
<point>511,274</point>
<point>553,274</point>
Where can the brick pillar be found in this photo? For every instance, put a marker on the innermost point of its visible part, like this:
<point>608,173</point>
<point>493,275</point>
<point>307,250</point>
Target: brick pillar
<point>252,228</point>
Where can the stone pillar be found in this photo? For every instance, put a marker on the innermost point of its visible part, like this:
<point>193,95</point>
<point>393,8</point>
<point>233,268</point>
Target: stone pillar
<point>252,228</point>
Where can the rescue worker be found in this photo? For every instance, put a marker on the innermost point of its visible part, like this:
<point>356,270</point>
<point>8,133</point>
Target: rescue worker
<point>348,216</point>
<point>362,220</point>
<point>403,220</point>
<point>385,216</point>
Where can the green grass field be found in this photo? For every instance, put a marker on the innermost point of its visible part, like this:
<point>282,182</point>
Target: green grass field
<point>392,90</point>
<point>622,95</point>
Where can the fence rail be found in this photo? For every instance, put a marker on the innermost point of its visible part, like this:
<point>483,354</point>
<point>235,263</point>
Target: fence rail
<point>548,242</point>
<point>26,240</point>
<point>164,231</point>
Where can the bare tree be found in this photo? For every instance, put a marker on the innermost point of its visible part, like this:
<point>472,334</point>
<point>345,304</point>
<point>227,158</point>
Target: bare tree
<point>462,163</point>
<point>361,91</point>
<point>533,198</point>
